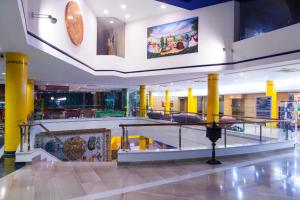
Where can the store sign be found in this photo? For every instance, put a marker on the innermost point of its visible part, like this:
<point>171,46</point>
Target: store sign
<point>263,107</point>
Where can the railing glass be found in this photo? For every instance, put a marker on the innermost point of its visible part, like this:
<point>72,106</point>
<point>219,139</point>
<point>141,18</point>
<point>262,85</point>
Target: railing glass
<point>185,136</point>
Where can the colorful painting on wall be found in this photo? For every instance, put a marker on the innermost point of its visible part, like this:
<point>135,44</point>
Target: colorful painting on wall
<point>94,147</point>
<point>174,38</point>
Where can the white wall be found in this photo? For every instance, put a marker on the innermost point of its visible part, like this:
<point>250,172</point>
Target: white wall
<point>216,30</point>
<point>56,34</point>
<point>274,42</point>
<point>216,25</point>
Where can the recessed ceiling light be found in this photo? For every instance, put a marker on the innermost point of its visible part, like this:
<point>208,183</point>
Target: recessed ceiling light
<point>3,73</point>
<point>163,6</point>
<point>105,12</point>
<point>123,6</point>
<point>111,21</point>
<point>127,16</point>
<point>241,74</point>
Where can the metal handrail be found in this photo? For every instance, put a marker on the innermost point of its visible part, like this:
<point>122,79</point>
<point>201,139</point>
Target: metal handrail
<point>51,134</point>
<point>198,124</point>
<point>125,143</point>
<point>48,133</point>
<point>246,117</point>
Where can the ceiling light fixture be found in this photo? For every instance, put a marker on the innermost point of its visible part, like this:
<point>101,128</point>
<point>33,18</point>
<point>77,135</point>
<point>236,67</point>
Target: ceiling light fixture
<point>123,6</point>
<point>111,22</point>
<point>3,73</point>
<point>127,16</point>
<point>53,20</point>
<point>163,6</point>
<point>105,12</point>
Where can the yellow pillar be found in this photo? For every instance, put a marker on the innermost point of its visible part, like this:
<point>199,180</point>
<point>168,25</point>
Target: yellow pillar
<point>190,100</point>
<point>213,98</point>
<point>168,103</point>
<point>30,97</point>
<point>151,100</point>
<point>271,92</point>
<point>15,99</point>
<point>143,100</point>
<point>142,143</point>
<point>195,104</point>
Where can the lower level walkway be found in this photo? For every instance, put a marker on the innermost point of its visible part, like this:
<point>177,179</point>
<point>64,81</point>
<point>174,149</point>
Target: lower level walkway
<point>274,175</point>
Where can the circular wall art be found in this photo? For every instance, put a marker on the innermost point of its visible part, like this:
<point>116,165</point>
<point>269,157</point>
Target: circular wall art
<point>74,22</point>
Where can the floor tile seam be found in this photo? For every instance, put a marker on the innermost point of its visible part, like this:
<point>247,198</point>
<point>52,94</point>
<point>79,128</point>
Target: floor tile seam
<point>176,179</point>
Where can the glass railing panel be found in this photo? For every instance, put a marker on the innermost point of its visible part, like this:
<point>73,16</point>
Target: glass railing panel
<point>193,136</point>
<point>152,138</point>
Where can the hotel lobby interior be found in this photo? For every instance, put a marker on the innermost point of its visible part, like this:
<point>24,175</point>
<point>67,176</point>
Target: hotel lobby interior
<point>149,99</point>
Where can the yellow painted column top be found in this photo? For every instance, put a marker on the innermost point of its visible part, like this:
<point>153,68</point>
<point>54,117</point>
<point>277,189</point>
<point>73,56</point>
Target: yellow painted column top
<point>213,76</point>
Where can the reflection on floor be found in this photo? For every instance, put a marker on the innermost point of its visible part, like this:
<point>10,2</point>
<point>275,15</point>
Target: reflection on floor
<point>273,175</point>
<point>8,165</point>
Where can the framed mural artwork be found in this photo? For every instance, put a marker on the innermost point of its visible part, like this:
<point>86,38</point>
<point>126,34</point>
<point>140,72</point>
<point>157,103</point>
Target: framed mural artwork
<point>174,38</point>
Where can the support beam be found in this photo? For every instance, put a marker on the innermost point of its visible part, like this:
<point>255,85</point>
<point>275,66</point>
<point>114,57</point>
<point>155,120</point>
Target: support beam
<point>168,103</point>
<point>272,92</point>
<point>151,100</point>
<point>190,100</point>
<point>143,101</point>
<point>15,99</point>
<point>30,97</point>
<point>213,98</point>
<point>195,104</point>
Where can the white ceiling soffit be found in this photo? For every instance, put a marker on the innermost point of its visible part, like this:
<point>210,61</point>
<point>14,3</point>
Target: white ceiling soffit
<point>129,10</point>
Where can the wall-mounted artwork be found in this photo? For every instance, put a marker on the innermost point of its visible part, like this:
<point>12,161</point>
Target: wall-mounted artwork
<point>174,38</point>
<point>74,22</point>
<point>110,36</point>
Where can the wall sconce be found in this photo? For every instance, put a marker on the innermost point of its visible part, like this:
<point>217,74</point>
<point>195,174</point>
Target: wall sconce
<point>52,19</point>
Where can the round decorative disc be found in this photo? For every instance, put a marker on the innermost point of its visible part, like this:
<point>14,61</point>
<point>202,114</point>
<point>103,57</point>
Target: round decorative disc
<point>74,22</point>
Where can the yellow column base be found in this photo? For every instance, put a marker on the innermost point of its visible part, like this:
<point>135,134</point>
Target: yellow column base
<point>142,143</point>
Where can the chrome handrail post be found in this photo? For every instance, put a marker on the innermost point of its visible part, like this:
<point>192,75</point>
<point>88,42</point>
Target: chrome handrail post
<point>179,138</point>
<point>260,133</point>
<point>127,139</point>
<point>21,138</point>
<point>123,139</point>
<point>225,137</point>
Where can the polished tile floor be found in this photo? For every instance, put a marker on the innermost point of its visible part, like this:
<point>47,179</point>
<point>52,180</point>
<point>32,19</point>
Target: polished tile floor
<point>274,175</point>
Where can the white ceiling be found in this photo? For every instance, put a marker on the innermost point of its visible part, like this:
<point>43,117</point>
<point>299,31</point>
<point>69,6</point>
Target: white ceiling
<point>136,9</point>
<point>247,80</point>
